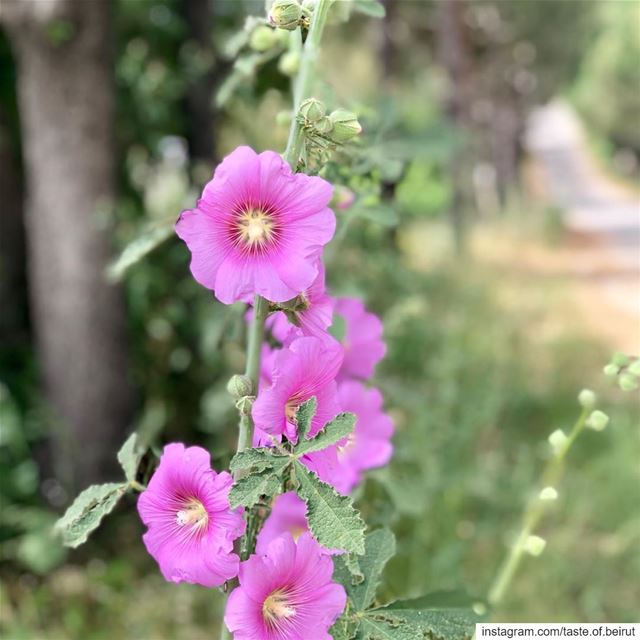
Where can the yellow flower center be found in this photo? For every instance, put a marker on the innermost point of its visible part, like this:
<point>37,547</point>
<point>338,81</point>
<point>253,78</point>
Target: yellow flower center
<point>193,514</point>
<point>255,227</point>
<point>344,449</point>
<point>296,532</point>
<point>276,607</point>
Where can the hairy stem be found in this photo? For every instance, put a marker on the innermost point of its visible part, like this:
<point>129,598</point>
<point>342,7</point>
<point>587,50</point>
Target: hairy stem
<point>302,87</point>
<point>533,513</point>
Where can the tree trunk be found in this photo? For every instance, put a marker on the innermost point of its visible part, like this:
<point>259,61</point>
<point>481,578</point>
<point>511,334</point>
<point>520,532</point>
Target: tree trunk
<point>67,109</point>
<point>454,56</point>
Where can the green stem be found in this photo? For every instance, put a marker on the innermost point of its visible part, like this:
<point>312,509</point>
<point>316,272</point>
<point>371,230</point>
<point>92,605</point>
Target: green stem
<point>295,143</point>
<point>304,81</point>
<point>533,513</point>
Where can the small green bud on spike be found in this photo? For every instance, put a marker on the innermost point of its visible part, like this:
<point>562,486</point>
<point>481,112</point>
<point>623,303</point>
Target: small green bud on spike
<point>285,14</point>
<point>312,110</point>
<point>263,38</point>
<point>548,494</point>
<point>289,63</point>
<point>620,359</point>
<point>628,382</point>
<point>587,399</point>
<point>345,126</point>
<point>634,368</point>
<point>535,545</point>
<point>239,386</point>
<point>558,441</point>
<point>597,421</point>
<point>324,126</point>
<point>611,370</point>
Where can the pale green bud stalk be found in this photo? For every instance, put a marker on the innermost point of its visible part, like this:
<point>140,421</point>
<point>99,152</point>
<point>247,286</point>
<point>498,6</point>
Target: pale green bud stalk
<point>345,126</point>
<point>324,126</point>
<point>285,14</point>
<point>597,421</point>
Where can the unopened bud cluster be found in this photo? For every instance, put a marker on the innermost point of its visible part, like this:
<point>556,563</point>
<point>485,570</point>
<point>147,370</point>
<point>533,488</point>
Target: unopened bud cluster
<point>288,14</point>
<point>339,126</point>
<point>626,369</point>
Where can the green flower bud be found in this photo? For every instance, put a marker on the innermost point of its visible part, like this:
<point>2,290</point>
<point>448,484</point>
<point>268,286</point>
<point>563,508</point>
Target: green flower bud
<point>345,126</point>
<point>289,63</point>
<point>263,38</point>
<point>535,545</point>
<point>548,494</point>
<point>587,399</point>
<point>558,441</point>
<point>611,370</point>
<point>283,118</point>
<point>634,368</point>
<point>312,110</point>
<point>285,14</point>
<point>597,421</point>
<point>620,359</point>
<point>323,126</point>
<point>628,382</point>
<point>239,386</point>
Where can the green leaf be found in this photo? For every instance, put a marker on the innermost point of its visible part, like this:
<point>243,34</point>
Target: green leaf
<point>248,490</point>
<point>304,416</point>
<point>438,616</point>
<point>371,8</point>
<point>87,510</point>
<point>129,457</point>
<point>138,249</point>
<point>380,547</point>
<point>353,566</point>
<point>258,459</point>
<point>333,521</point>
<point>340,427</point>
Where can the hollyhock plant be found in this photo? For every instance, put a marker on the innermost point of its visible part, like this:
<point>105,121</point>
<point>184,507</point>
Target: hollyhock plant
<point>258,228</point>
<point>362,341</point>
<point>286,593</point>
<point>306,368</point>
<point>191,528</point>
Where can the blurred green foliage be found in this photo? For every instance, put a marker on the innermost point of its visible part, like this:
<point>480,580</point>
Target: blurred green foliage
<point>610,68</point>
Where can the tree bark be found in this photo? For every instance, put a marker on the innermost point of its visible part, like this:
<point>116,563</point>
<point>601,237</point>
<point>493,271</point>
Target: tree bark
<point>66,102</point>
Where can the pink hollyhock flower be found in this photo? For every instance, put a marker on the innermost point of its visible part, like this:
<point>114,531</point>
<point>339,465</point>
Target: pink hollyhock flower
<point>367,447</point>
<point>306,368</point>
<point>191,528</point>
<point>362,342</point>
<point>314,317</point>
<point>285,593</point>
<point>288,515</point>
<point>258,228</point>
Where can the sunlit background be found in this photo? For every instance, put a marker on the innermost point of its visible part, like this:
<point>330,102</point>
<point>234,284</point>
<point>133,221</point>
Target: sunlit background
<point>495,229</point>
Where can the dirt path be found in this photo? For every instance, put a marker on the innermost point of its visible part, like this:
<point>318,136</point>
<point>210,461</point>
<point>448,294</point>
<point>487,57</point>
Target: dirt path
<point>603,218</point>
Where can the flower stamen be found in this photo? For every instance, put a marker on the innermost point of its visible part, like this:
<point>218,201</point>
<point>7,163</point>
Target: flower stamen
<point>255,227</point>
<point>193,514</point>
<point>276,607</point>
